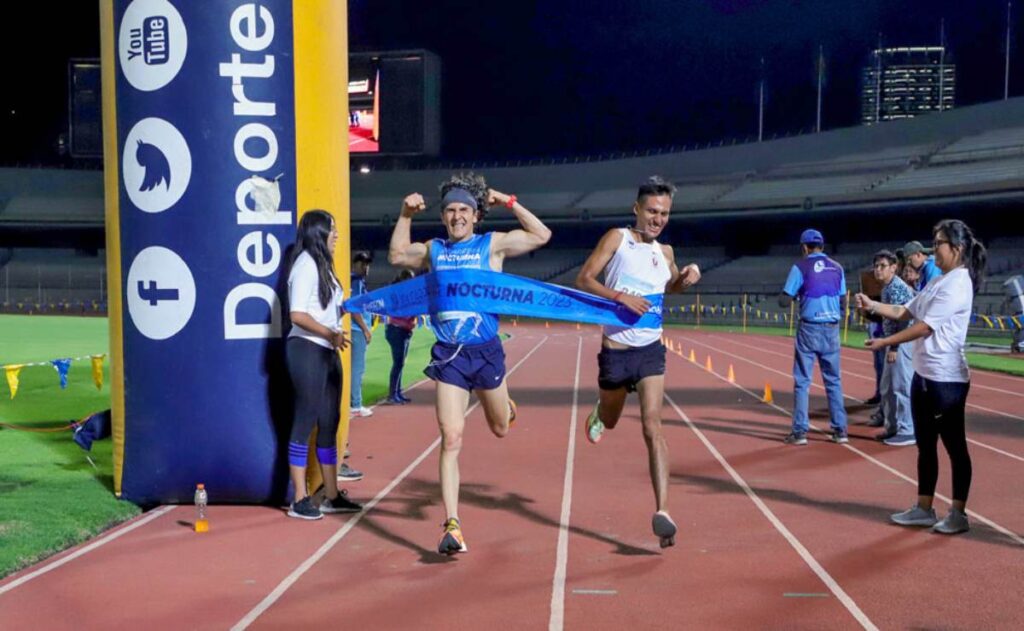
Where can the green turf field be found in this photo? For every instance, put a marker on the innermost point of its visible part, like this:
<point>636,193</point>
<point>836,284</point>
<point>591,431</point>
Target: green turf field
<point>51,497</point>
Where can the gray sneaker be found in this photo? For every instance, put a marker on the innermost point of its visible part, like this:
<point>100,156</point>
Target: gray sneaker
<point>348,474</point>
<point>915,516</point>
<point>795,439</point>
<point>840,437</point>
<point>953,523</point>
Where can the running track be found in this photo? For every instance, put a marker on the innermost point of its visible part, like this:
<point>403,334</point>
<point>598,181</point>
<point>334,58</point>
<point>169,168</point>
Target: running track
<point>559,530</point>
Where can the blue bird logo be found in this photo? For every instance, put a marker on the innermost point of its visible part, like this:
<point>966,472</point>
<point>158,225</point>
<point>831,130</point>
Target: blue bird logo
<point>154,163</point>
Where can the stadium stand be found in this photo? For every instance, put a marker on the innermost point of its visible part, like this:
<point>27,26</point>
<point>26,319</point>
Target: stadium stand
<point>960,159</point>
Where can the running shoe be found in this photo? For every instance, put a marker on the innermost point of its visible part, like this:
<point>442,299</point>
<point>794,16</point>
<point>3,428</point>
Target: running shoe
<point>340,504</point>
<point>953,523</point>
<point>594,427</point>
<point>348,474</point>
<point>664,528</point>
<point>451,540</point>
<point>305,509</point>
<point>840,437</point>
<point>795,439</point>
<point>915,516</point>
<point>900,440</point>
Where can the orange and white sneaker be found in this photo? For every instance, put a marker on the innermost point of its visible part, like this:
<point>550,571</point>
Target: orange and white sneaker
<point>451,540</point>
<point>512,409</point>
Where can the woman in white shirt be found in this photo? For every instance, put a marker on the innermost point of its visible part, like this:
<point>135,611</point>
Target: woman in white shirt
<point>938,393</point>
<point>314,298</point>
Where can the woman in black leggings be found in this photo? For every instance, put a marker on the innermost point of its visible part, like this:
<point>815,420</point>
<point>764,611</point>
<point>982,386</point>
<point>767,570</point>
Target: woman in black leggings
<point>314,297</point>
<point>938,393</point>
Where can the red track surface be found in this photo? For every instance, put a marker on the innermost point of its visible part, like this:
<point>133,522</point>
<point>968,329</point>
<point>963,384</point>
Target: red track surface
<point>770,536</point>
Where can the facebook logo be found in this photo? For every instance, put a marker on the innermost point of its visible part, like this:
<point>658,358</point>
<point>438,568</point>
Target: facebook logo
<point>165,293</point>
<point>153,294</point>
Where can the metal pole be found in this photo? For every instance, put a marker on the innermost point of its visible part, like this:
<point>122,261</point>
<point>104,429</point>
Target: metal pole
<point>846,320</point>
<point>821,75</point>
<point>792,313</point>
<point>744,313</point>
<point>1006,76</point>
<point>760,106</point>
<point>698,311</point>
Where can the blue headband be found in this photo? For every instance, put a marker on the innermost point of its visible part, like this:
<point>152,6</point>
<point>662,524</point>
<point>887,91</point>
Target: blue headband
<point>461,196</point>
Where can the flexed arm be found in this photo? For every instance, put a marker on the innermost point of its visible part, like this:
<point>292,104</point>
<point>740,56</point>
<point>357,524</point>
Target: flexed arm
<point>533,234</point>
<point>403,252</point>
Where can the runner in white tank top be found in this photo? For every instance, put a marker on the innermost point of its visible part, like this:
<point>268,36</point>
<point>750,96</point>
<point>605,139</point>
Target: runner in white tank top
<point>631,359</point>
<point>640,269</point>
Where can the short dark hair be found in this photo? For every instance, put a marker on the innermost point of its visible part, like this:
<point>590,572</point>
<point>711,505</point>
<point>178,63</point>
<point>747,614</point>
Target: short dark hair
<point>475,184</point>
<point>656,186</point>
<point>887,255</point>
<point>362,256</point>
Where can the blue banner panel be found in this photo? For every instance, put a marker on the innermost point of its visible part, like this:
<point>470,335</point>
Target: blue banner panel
<point>205,100</point>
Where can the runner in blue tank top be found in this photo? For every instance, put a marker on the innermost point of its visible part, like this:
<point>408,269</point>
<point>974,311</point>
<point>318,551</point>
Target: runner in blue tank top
<point>468,355</point>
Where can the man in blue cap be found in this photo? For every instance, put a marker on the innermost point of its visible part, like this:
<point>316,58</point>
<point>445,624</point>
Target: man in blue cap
<point>819,284</point>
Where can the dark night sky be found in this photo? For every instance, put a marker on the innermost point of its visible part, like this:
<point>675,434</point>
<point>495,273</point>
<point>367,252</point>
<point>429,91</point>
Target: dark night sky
<point>530,78</point>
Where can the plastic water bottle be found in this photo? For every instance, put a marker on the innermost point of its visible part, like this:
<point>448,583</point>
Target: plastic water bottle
<point>202,524</point>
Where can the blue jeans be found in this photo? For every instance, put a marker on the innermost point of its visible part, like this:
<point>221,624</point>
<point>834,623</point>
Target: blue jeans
<point>358,367</point>
<point>879,358</point>
<point>896,380</point>
<point>821,341</point>
<point>398,339</point>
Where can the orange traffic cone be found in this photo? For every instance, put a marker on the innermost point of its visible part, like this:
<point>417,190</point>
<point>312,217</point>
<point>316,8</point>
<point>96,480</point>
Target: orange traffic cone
<point>731,376</point>
<point>679,351</point>
<point>707,364</point>
<point>693,356</point>
<point>547,325</point>
<point>577,326</point>
<point>515,323</point>
<point>767,394</point>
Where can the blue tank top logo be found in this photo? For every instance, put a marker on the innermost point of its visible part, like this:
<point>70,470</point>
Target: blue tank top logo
<point>463,327</point>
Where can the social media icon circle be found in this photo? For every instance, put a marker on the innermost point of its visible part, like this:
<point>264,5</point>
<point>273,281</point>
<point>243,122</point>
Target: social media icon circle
<point>151,44</point>
<point>156,165</point>
<point>160,293</point>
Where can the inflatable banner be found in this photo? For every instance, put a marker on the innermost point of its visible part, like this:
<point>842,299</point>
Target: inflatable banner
<point>200,97</point>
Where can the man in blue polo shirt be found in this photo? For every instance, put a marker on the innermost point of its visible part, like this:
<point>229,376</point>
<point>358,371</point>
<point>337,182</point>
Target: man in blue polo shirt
<point>819,284</point>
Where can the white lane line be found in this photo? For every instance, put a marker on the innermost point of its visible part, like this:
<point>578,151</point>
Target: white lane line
<point>49,567</point>
<point>557,619</point>
<point>807,557</point>
<point>347,527</point>
<point>985,520</point>
<point>852,398</point>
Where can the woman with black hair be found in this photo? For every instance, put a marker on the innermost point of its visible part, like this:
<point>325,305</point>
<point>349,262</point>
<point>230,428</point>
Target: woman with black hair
<point>315,297</point>
<point>398,333</point>
<point>938,394</point>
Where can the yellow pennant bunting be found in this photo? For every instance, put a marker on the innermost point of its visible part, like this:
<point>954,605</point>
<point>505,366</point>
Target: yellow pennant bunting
<point>12,377</point>
<point>97,371</point>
